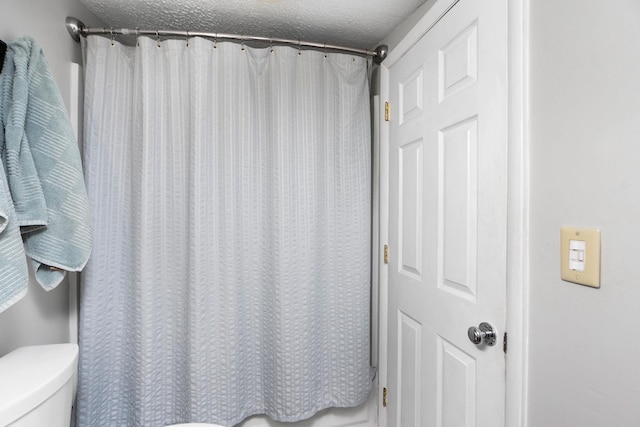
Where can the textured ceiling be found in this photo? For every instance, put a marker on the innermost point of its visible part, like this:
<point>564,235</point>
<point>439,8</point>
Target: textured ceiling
<point>354,23</point>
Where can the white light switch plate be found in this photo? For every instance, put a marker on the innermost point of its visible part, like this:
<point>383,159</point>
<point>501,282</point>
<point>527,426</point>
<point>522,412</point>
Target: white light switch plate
<point>580,255</point>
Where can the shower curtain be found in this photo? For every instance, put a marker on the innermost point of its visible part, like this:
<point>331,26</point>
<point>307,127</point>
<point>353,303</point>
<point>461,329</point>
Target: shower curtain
<point>230,194</point>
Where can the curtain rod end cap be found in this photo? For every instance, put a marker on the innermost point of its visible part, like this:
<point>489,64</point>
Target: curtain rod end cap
<point>381,53</point>
<point>75,27</point>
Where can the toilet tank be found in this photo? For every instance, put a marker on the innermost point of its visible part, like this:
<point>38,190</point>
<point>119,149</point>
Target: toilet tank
<point>37,386</point>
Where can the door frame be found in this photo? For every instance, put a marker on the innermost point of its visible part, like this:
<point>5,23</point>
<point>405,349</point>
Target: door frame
<point>517,200</point>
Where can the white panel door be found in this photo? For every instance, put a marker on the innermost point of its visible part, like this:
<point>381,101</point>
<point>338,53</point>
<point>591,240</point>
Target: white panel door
<point>447,221</point>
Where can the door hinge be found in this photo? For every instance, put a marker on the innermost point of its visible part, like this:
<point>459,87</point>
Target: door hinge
<point>384,397</point>
<point>386,254</point>
<point>387,111</point>
<point>504,343</point>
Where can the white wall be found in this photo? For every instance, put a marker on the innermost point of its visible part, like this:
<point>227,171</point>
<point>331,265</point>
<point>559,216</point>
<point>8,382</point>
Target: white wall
<point>41,317</point>
<point>585,171</point>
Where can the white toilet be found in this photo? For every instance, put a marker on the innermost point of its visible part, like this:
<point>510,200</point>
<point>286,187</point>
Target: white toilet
<point>37,385</point>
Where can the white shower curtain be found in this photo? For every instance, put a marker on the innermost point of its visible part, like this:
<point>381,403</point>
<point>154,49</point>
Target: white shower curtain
<point>230,193</point>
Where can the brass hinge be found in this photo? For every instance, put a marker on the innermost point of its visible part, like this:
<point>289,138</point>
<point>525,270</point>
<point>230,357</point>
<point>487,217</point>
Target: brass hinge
<point>384,397</point>
<point>387,111</point>
<point>386,254</point>
<point>504,343</point>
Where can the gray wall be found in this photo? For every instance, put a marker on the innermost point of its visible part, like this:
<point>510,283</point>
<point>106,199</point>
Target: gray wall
<point>585,171</point>
<point>41,317</point>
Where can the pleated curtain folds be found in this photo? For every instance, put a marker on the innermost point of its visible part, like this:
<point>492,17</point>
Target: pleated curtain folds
<point>230,190</point>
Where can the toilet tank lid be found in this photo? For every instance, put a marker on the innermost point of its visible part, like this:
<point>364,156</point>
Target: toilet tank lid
<point>32,374</point>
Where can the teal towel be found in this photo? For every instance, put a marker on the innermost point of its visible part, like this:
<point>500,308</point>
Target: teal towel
<point>43,166</point>
<point>26,189</point>
<point>14,277</point>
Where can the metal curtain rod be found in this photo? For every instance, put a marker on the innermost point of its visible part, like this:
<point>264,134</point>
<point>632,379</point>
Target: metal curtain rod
<point>77,29</point>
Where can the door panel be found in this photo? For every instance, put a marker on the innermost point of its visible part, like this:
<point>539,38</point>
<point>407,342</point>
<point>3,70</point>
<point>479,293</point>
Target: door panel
<point>456,386</point>
<point>458,218</point>
<point>447,221</point>
<point>409,370</point>
<point>410,192</point>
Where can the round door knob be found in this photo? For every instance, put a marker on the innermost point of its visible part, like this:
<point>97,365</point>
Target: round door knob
<point>483,333</point>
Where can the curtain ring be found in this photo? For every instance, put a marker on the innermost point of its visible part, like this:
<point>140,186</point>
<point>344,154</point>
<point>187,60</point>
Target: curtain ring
<point>242,42</point>
<point>270,45</point>
<point>215,41</point>
<point>299,51</point>
<point>187,38</point>
<point>158,39</point>
<point>113,41</point>
<point>137,36</point>
<point>325,50</point>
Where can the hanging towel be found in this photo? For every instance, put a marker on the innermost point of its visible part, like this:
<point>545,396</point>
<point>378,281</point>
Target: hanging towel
<point>26,190</point>
<point>14,276</point>
<point>43,167</point>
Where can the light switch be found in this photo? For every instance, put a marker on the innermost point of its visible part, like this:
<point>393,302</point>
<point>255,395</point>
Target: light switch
<point>580,255</point>
<point>577,250</point>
